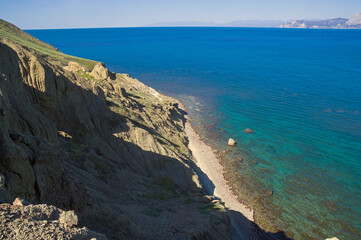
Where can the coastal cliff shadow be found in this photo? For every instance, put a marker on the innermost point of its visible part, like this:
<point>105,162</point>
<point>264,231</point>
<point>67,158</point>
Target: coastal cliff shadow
<point>244,229</point>
<point>206,183</point>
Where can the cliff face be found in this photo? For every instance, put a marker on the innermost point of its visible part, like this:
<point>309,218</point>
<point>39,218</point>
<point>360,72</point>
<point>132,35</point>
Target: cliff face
<point>80,137</point>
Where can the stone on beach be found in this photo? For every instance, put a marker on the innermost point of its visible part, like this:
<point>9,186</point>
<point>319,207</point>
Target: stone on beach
<point>231,142</point>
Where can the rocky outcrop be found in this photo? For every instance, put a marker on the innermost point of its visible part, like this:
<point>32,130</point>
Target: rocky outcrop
<point>102,144</point>
<point>74,67</point>
<point>101,72</point>
<point>40,222</point>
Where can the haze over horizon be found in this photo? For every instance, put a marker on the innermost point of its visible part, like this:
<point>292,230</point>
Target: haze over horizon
<point>42,14</point>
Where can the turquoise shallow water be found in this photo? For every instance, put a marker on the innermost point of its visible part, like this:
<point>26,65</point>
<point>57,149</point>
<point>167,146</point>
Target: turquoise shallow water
<point>298,89</point>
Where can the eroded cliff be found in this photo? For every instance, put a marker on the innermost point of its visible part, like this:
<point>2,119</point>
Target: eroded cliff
<point>77,136</point>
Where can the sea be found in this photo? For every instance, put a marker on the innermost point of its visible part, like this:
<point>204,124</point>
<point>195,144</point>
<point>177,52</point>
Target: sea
<point>298,90</point>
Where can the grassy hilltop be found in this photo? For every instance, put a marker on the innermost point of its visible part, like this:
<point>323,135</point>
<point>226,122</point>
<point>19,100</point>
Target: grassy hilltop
<point>11,32</point>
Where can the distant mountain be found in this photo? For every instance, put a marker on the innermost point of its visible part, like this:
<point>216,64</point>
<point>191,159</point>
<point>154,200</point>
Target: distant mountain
<point>253,23</point>
<point>239,23</point>
<point>183,24</point>
<point>354,22</point>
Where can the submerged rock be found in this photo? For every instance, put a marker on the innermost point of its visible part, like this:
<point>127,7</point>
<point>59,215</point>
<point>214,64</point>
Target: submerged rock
<point>248,130</point>
<point>269,192</point>
<point>231,142</point>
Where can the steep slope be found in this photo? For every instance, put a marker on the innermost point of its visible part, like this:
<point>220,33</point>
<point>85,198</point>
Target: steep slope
<point>103,144</point>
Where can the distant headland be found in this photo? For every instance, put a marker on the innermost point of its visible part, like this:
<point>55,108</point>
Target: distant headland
<point>354,22</point>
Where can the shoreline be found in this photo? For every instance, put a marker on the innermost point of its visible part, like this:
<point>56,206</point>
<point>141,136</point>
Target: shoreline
<point>214,183</point>
<point>207,161</point>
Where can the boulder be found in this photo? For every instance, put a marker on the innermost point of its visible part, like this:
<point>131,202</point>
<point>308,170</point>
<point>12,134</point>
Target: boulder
<point>69,218</point>
<point>231,142</point>
<point>100,71</point>
<point>75,67</point>
<point>20,202</point>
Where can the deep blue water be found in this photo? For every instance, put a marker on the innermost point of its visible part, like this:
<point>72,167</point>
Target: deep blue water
<point>298,89</point>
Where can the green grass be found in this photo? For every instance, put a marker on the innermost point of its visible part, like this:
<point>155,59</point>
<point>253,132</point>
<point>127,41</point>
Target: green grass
<point>212,207</point>
<point>87,76</point>
<point>165,183</point>
<point>12,33</point>
<point>160,188</point>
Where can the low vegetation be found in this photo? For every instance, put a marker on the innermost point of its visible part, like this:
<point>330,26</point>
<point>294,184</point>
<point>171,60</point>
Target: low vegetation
<point>11,32</point>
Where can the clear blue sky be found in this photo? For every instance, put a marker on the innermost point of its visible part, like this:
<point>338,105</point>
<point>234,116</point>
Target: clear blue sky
<point>32,14</point>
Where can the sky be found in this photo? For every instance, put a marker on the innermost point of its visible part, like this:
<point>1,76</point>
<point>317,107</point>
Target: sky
<point>46,14</point>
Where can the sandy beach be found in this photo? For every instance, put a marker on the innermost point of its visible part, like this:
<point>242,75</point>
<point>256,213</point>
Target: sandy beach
<point>215,184</point>
<point>209,164</point>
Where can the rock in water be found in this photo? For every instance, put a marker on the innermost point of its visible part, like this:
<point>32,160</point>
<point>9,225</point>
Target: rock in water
<point>231,142</point>
<point>248,130</point>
